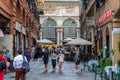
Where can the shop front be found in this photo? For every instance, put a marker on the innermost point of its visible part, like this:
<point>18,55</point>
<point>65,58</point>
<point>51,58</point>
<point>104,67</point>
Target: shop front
<point>17,37</point>
<point>6,39</point>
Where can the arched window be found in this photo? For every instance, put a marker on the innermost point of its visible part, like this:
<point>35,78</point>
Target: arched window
<point>49,29</point>
<point>18,10</point>
<point>23,16</point>
<point>69,28</point>
<point>49,23</point>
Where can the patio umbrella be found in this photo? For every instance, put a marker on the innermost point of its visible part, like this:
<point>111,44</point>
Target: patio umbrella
<point>45,41</point>
<point>67,39</point>
<point>79,41</point>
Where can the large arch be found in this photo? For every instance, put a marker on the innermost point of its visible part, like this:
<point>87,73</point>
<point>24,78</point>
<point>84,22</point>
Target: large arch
<point>49,29</point>
<point>49,22</point>
<point>69,28</point>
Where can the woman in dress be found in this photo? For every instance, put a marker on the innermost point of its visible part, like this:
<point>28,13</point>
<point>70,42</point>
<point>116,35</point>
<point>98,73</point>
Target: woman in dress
<point>60,60</point>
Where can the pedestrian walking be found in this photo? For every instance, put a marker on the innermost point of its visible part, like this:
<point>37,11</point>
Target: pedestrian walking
<point>53,58</point>
<point>8,55</point>
<point>2,57</point>
<point>60,59</point>
<point>45,57</point>
<point>17,64</point>
<point>38,52</point>
<point>77,58</point>
<point>27,54</point>
<point>32,51</point>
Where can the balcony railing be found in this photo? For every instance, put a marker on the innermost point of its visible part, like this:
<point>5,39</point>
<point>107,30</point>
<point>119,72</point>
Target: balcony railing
<point>33,8</point>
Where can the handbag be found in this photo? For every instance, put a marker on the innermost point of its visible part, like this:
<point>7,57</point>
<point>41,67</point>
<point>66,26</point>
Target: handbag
<point>25,66</point>
<point>2,65</point>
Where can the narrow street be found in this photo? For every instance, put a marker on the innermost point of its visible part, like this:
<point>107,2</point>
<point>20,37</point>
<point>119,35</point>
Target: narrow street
<point>38,73</point>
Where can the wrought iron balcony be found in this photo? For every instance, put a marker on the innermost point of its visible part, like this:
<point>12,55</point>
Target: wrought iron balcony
<point>33,7</point>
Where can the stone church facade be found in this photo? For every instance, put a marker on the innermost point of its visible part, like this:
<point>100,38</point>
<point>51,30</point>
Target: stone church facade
<point>60,20</point>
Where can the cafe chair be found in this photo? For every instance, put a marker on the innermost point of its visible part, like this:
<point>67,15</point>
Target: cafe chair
<point>97,72</point>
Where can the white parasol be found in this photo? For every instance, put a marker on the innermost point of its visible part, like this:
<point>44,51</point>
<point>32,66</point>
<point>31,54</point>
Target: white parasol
<point>79,41</point>
<point>45,41</point>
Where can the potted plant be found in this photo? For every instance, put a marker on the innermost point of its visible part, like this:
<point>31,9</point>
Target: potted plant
<point>112,51</point>
<point>100,52</point>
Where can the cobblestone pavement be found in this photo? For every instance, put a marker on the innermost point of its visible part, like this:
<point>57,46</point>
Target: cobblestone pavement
<point>68,73</point>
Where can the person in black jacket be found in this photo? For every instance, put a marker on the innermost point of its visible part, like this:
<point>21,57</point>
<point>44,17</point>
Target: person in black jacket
<point>38,52</point>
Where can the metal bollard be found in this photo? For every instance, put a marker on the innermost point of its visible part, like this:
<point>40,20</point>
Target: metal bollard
<point>110,72</point>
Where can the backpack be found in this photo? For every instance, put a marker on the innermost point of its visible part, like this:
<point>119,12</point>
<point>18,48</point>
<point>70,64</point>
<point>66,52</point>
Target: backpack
<point>2,65</point>
<point>25,66</point>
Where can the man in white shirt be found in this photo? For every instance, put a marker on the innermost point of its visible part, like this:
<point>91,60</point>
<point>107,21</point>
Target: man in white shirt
<point>17,64</point>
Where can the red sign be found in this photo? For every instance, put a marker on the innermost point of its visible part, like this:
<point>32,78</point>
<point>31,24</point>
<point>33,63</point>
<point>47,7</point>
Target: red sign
<point>105,16</point>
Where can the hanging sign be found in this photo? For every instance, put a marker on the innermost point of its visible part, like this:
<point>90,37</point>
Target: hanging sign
<point>105,16</point>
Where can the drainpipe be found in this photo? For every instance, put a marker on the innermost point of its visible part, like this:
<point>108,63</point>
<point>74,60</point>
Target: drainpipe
<point>112,32</point>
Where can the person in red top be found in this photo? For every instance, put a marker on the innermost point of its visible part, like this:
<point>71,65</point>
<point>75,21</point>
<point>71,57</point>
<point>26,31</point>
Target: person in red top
<point>2,57</point>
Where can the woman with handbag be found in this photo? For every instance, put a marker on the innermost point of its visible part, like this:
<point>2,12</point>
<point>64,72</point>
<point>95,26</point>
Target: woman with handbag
<point>2,57</point>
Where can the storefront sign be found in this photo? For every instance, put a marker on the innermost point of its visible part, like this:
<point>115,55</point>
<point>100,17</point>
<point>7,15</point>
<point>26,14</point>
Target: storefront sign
<point>116,30</point>
<point>105,16</point>
<point>18,27</point>
<point>23,30</point>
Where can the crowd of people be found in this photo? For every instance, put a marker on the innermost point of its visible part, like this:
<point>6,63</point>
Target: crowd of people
<point>56,55</point>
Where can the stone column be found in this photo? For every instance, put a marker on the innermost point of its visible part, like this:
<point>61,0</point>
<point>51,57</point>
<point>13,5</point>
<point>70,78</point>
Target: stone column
<point>78,32</point>
<point>41,33</point>
<point>59,35</point>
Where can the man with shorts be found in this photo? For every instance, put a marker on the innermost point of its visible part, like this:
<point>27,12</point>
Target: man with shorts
<point>45,58</point>
<point>77,58</point>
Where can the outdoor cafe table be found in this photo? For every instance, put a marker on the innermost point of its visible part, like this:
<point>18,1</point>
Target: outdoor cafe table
<point>92,62</point>
<point>107,69</point>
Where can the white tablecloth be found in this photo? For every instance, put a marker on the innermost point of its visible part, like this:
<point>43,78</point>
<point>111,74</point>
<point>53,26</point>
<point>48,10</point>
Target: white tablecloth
<point>91,62</point>
<point>107,68</point>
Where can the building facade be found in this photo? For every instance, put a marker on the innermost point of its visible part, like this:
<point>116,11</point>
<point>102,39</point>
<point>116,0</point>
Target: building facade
<point>19,24</point>
<point>101,25</point>
<point>60,20</point>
